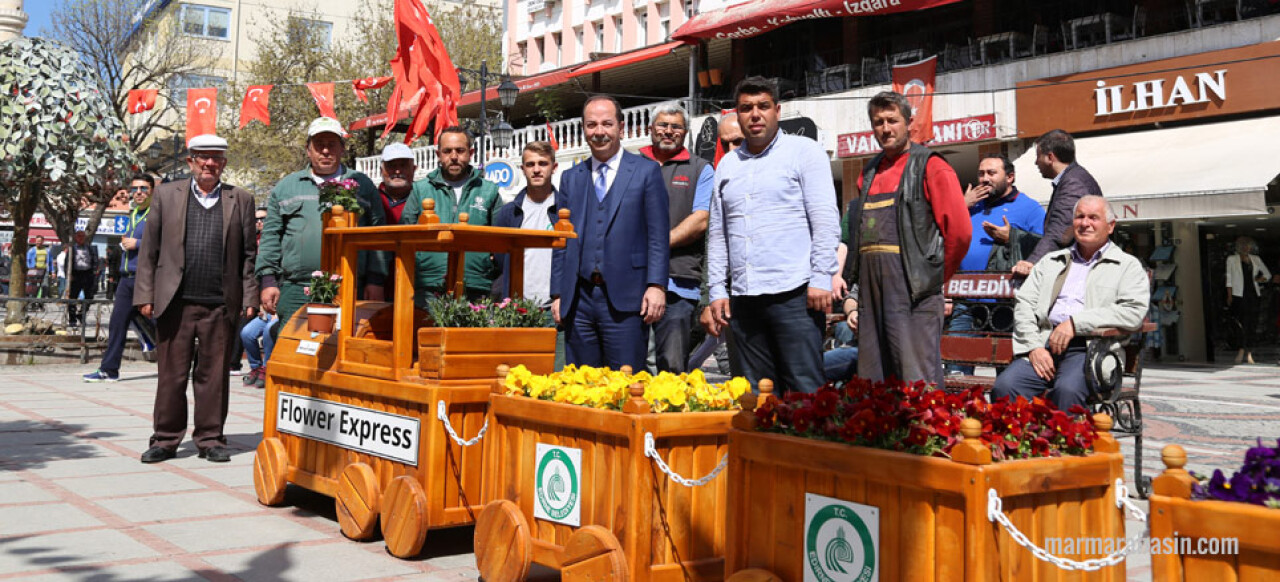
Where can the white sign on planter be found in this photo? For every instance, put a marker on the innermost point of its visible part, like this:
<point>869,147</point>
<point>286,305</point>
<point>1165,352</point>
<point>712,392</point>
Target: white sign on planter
<point>841,540</point>
<point>558,484</point>
<point>381,434</point>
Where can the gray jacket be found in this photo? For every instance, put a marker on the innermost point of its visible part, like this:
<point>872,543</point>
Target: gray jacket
<point>1117,295</point>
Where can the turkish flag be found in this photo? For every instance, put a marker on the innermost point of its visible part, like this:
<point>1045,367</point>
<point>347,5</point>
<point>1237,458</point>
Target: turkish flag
<point>915,81</point>
<point>719,145</point>
<point>361,85</point>
<point>323,94</point>
<point>255,105</point>
<point>141,100</point>
<point>202,112</point>
<point>423,72</point>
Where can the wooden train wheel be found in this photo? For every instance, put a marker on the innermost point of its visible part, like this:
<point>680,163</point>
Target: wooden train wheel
<point>270,465</point>
<point>358,501</point>
<point>503,545</point>
<point>754,575</point>
<point>404,517</point>
<point>593,555</point>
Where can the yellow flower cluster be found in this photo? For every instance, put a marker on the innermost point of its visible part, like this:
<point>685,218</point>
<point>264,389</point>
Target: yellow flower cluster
<point>608,389</point>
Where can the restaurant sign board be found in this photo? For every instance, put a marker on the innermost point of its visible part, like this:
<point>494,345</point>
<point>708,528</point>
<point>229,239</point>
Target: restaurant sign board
<point>952,131</point>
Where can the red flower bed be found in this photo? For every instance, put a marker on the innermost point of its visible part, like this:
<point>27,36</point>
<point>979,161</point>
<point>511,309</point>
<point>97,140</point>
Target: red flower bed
<point>916,418</point>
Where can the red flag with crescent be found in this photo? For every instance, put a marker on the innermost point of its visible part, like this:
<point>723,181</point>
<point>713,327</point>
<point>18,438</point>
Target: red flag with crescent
<point>423,72</point>
<point>141,100</point>
<point>915,81</point>
<point>323,94</point>
<point>255,105</point>
<point>362,85</point>
<point>202,112</point>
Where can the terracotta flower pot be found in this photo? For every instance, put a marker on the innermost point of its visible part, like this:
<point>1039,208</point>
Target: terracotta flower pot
<point>321,317</point>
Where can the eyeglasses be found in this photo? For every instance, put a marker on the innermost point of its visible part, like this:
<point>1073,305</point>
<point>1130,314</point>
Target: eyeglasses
<point>670,126</point>
<point>735,143</point>
<point>208,157</point>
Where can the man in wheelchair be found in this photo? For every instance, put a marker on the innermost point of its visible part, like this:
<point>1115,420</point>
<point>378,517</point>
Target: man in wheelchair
<point>1072,293</point>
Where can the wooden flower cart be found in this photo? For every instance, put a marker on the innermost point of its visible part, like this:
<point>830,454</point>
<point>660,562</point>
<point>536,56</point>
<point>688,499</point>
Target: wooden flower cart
<point>374,414</point>
<point>1197,528</point>
<point>574,490</point>
<point>852,513</point>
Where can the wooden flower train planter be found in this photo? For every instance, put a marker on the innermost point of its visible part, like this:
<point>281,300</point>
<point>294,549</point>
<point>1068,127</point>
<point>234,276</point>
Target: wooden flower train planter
<point>355,414</point>
<point>615,516</point>
<point>908,517</point>
<point>1197,528</point>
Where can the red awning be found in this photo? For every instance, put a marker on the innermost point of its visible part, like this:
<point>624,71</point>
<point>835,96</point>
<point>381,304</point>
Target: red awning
<point>759,16</point>
<point>541,81</point>
<point>628,58</point>
<point>380,120</point>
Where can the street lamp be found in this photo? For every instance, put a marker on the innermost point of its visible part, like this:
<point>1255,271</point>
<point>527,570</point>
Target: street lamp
<point>507,93</point>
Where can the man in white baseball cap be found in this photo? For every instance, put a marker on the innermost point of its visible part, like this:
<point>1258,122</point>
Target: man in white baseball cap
<point>398,169</point>
<point>201,236</point>
<point>293,223</point>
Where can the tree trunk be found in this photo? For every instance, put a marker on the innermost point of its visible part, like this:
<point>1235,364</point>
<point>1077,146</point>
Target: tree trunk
<point>23,208</point>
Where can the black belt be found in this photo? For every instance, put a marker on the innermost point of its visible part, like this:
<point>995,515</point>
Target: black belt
<point>596,279</point>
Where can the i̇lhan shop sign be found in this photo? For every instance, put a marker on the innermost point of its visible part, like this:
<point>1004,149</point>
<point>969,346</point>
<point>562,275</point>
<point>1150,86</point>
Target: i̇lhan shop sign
<point>1217,83</point>
<point>953,131</point>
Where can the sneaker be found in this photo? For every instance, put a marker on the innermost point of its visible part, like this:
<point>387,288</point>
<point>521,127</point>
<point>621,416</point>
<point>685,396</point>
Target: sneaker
<point>261,381</point>
<point>251,377</point>
<point>239,372</point>
<point>100,376</point>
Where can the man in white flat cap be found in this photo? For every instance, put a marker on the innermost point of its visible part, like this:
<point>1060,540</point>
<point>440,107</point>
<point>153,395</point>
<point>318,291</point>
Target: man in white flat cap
<point>195,278</point>
<point>293,225</point>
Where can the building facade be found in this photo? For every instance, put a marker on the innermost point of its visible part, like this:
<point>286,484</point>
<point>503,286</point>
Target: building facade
<point>12,19</point>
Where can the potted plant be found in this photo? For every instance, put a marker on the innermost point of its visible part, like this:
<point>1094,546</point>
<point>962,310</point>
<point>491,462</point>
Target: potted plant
<point>322,310</point>
<point>604,469</point>
<point>903,472</point>
<point>1217,528</point>
<point>339,193</point>
<point>470,339</point>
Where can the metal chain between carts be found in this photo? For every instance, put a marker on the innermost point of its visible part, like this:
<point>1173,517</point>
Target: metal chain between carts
<point>651,451</point>
<point>995,513</point>
<point>443,414</point>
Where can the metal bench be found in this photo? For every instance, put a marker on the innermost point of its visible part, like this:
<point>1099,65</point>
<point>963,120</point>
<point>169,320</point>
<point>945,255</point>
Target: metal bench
<point>1114,365</point>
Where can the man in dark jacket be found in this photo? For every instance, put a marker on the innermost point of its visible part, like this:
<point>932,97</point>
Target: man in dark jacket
<point>122,310</point>
<point>1056,159</point>
<point>85,268</point>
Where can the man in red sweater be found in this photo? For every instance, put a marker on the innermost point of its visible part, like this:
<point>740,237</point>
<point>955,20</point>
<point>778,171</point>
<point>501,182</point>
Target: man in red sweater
<point>906,234</point>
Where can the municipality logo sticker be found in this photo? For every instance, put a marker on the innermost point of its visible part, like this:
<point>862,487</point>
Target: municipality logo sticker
<point>842,541</point>
<point>557,485</point>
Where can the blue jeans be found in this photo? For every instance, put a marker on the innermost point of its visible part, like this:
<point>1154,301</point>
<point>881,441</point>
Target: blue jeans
<point>1068,387</point>
<point>961,320</point>
<point>672,333</point>
<point>780,338</point>
<point>249,334</point>
<point>840,364</point>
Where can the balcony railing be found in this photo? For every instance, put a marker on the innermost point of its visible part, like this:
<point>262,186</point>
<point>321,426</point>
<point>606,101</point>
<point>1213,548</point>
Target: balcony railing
<point>568,134</point>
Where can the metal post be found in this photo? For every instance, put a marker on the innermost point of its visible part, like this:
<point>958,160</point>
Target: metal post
<point>484,114</point>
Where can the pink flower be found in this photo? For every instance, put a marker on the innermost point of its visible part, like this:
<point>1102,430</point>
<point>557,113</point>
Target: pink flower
<point>505,302</point>
<point>317,273</point>
<point>306,291</point>
<point>475,307</point>
<point>335,278</point>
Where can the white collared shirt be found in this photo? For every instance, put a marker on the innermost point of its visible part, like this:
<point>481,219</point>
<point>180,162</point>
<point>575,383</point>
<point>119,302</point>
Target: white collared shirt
<point>212,198</point>
<point>613,164</point>
<point>342,171</point>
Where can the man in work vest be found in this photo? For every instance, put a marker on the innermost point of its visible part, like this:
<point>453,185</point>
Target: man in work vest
<point>37,266</point>
<point>689,183</point>
<point>906,234</point>
<point>456,187</point>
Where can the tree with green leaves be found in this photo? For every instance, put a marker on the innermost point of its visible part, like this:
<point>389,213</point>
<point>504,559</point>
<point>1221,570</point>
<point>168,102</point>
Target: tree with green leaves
<point>288,55</point>
<point>61,143</point>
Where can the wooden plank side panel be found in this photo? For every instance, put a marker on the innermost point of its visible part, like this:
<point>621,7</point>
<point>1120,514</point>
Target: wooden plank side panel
<point>1258,565</point>
<point>949,539</point>
<point>888,497</point>
<point>917,534</point>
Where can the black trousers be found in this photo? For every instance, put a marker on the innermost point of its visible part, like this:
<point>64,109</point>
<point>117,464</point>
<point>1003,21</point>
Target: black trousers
<point>81,282</point>
<point>780,338</point>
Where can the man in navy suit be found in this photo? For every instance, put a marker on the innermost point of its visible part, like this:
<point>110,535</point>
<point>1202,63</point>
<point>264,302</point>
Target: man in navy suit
<point>610,283</point>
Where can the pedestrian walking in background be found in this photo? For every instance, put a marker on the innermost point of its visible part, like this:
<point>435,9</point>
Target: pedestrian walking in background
<point>1245,275</point>
<point>122,309</point>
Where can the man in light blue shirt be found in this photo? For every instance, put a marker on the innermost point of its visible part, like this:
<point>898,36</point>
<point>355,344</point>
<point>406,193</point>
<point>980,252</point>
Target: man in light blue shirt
<point>773,232</point>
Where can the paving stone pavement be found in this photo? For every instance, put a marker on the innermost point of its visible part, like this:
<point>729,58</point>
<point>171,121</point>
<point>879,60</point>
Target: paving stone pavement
<point>75,503</point>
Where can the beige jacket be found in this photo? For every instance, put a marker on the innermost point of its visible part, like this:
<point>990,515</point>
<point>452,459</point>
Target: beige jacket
<point>1117,295</point>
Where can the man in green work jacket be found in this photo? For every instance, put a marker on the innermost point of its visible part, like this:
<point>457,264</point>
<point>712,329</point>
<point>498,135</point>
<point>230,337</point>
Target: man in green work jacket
<point>456,187</point>
<point>289,250</point>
